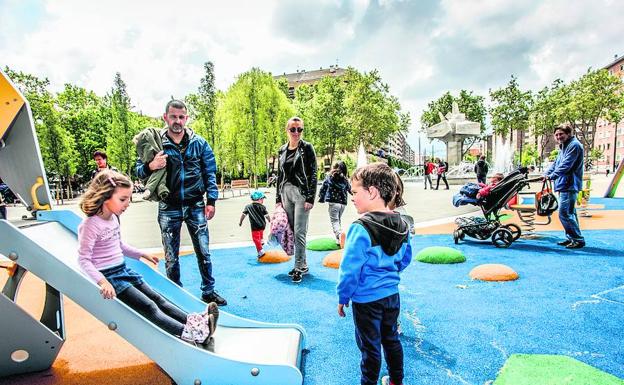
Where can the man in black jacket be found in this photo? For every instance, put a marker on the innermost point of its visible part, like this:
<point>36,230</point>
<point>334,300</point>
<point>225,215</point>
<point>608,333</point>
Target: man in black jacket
<point>481,169</point>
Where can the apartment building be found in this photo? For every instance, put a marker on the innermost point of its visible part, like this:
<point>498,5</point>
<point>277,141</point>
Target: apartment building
<point>610,136</point>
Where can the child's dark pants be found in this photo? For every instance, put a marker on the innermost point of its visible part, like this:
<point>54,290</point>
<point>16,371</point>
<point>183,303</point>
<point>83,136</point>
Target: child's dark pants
<point>376,326</point>
<point>155,308</point>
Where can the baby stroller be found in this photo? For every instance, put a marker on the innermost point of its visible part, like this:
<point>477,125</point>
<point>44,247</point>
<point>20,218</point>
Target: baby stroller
<point>503,235</point>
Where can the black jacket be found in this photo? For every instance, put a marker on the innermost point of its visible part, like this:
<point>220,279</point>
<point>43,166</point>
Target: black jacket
<point>191,174</point>
<point>335,190</point>
<point>481,167</point>
<point>304,168</point>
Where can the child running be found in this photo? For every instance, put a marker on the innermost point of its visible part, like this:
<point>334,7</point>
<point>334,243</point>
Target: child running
<point>334,191</point>
<point>258,215</point>
<point>101,256</point>
<point>377,249</point>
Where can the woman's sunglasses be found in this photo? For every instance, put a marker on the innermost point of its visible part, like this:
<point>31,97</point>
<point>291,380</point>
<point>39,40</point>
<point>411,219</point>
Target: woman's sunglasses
<point>297,129</point>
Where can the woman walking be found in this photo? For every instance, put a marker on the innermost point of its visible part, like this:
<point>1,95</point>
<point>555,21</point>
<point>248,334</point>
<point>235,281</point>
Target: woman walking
<point>296,189</point>
<point>334,191</point>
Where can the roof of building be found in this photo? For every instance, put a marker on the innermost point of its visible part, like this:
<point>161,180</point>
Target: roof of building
<point>306,77</point>
<point>616,60</point>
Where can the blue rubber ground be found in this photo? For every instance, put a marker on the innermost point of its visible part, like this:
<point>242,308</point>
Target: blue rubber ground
<point>455,331</point>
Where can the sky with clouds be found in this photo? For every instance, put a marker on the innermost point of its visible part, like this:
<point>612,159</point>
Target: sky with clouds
<point>421,48</point>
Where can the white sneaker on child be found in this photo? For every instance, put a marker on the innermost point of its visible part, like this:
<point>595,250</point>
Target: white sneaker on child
<point>261,253</point>
<point>201,326</point>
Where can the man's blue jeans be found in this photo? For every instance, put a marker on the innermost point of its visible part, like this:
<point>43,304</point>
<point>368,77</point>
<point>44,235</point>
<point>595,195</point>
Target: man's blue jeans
<point>567,216</point>
<point>170,218</point>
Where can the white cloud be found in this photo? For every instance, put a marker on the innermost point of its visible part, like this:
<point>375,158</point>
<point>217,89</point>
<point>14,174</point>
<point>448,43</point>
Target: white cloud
<point>422,49</point>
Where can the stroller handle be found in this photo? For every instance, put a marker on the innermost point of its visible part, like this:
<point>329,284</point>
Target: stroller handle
<point>536,179</point>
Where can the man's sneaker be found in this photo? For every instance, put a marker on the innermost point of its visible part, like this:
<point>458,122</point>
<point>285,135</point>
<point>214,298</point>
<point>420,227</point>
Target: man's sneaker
<point>304,271</point>
<point>214,297</point>
<point>385,380</point>
<point>564,243</point>
<point>575,245</point>
<point>297,277</point>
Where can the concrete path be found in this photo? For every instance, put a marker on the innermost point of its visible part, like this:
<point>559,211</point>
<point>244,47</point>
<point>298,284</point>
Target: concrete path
<point>140,228</point>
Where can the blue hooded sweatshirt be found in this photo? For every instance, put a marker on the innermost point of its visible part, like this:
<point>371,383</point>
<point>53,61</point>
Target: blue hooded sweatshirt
<point>376,250</point>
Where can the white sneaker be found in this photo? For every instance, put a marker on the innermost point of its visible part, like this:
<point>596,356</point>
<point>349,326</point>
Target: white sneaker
<point>261,253</point>
<point>385,380</point>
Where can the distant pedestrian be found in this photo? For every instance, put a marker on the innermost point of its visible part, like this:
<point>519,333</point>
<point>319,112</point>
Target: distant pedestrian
<point>101,160</point>
<point>429,168</point>
<point>607,172</point>
<point>481,169</point>
<point>258,215</point>
<point>442,168</point>
<point>334,191</point>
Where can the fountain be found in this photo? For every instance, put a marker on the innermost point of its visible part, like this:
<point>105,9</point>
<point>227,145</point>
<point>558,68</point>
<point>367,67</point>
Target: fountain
<point>503,161</point>
<point>452,130</point>
<point>361,159</point>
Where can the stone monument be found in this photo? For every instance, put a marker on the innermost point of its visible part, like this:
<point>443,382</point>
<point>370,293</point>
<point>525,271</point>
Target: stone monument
<point>452,130</point>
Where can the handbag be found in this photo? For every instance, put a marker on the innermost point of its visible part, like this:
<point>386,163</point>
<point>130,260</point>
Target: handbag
<point>546,202</point>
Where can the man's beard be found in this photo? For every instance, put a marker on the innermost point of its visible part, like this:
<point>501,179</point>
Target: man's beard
<point>176,128</point>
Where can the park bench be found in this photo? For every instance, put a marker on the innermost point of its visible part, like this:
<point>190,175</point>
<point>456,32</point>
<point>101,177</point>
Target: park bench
<point>236,185</point>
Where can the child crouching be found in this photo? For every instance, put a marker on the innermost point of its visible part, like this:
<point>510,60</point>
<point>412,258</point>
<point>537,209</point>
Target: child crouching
<point>377,249</point>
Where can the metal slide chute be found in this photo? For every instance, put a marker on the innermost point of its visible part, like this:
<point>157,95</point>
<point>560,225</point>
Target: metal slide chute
<point>244,351</point>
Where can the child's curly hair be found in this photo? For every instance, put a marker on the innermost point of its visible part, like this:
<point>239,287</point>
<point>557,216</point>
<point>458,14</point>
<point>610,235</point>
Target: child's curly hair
<point>101,189</point>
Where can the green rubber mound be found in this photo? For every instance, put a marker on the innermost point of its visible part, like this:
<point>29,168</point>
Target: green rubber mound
<point>505,217</point>
<point>440,254</point>
<point>322,244</point>
<point>532,369</point>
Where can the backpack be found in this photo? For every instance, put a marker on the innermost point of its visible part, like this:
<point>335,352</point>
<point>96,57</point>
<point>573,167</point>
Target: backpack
<point>545,201</point>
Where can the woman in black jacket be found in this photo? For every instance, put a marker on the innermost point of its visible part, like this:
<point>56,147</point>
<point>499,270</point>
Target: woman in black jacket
<point>296,189</point>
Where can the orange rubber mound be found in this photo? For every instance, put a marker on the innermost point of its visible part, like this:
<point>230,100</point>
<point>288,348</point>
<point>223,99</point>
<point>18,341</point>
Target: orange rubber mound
<point>274,256</point>
<point>333,259</point>
<point>493,272</point>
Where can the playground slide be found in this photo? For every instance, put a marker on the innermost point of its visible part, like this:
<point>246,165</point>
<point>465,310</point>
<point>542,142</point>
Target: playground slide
<point>615,181</point>
<point>245,351</point>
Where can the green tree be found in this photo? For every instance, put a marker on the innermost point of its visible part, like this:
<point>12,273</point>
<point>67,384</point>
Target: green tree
<point>252,114</point>
<point>543,116</point>
<point>203,106</point>
<point>595,96</point>
<point>119,147</point>
<point>83,114</point>
<point>372,114</point>
<point>510,111</point>
<point>56,144</point>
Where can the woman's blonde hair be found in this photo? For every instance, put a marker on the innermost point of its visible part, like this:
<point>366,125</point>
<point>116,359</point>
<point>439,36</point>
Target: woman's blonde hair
<point>101,189</point>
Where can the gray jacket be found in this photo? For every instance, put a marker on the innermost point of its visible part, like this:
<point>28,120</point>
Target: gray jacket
<point>148,144</point>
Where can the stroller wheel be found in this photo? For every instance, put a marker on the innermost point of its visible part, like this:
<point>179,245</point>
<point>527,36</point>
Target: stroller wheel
<point>502,238</point>
<point>456,233</point>
<point>515,230</point>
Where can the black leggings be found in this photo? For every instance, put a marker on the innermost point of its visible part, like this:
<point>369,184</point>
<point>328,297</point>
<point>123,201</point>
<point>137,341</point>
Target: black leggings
<point>155,308</point>
<point>443,177</point>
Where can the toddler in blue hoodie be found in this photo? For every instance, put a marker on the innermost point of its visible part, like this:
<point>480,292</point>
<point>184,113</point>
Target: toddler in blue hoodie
<point>377,249</point>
